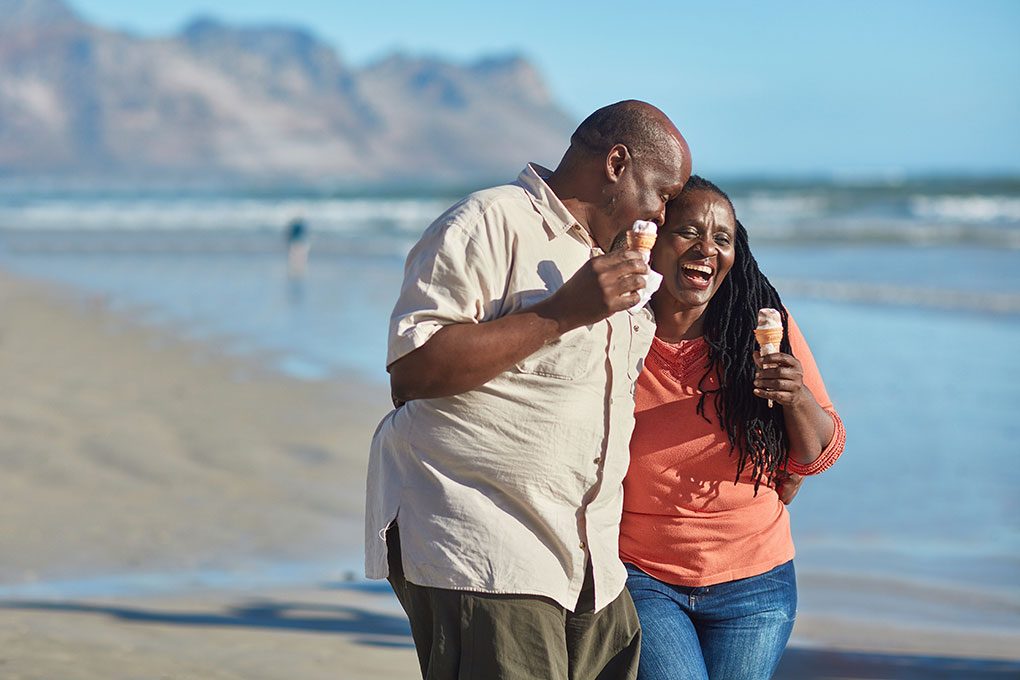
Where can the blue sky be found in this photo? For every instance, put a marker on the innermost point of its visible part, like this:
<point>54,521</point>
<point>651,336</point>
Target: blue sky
<point>838,88</point>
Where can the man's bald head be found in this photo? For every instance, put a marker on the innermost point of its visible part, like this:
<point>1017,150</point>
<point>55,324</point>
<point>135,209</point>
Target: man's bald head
<point>643,129</point>
<point>624,163</point>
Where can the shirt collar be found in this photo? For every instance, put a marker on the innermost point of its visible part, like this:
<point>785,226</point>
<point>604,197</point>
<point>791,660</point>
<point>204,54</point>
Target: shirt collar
<point>558,219</point>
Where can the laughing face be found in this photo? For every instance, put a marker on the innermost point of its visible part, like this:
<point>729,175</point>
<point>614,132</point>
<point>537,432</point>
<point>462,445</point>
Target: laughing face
<point>695,249</point>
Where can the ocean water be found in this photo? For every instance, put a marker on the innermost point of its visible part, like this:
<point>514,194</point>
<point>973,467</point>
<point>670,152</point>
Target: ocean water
<point>908,293</point>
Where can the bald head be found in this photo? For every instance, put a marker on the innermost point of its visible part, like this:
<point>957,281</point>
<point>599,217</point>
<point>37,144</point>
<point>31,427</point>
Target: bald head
<point>625,161</point>
<point>643,129</point>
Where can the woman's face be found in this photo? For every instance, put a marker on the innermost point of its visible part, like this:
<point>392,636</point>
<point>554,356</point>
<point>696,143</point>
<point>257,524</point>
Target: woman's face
<point>695,248</point>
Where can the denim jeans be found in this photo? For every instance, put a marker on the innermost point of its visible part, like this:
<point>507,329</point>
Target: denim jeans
<point>729,631</point>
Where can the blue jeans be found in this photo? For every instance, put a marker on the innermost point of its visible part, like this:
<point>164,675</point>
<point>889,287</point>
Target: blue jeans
<point>729,631</point>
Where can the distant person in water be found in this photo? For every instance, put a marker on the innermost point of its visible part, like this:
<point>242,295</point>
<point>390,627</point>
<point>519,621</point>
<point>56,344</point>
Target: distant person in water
<point>297,247</point>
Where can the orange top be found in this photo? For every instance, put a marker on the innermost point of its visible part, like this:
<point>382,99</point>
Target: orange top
<point>685,522</point>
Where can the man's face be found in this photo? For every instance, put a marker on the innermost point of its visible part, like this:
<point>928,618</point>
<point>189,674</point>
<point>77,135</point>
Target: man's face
<point>644,187</point>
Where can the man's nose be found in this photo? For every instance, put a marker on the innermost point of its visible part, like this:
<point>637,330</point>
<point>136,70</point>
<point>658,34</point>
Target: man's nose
<point>661,218</point>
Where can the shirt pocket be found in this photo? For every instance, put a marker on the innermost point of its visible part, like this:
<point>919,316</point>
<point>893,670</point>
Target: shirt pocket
<point>569,357</point>
<point>643,327</point>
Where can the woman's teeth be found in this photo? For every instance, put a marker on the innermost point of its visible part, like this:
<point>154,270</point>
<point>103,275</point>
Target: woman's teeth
<point>698,270</point>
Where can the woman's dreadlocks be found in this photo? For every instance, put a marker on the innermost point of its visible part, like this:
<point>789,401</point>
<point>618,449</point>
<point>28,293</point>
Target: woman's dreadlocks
<point>756,432</point>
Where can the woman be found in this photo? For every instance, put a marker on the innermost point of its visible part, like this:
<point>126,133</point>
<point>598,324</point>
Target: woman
<point>705,535</point>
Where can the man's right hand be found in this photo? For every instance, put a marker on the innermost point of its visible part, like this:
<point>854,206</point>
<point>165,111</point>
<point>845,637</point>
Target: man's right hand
<point>603,286</point>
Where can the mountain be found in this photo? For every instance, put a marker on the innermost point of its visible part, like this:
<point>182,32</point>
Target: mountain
<point>269,103</point>
<point>20,13</point>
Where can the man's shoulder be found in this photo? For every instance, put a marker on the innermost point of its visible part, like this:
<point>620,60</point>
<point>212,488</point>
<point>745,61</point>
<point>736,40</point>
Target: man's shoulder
<point>512,192</point>
<point>485,208</point>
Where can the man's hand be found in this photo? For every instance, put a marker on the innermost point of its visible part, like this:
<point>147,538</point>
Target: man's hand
<point>787,485</point>
<point>603,286</point>
<point>462,357</point>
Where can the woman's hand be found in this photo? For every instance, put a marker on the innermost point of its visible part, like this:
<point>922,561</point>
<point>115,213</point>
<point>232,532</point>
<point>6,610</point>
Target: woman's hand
<point>780,378</point>
<point>787,485</point>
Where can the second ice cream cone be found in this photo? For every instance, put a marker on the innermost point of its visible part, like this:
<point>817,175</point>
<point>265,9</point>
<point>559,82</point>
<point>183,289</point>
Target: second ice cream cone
<point>768,339</point>
<point>769,333</point>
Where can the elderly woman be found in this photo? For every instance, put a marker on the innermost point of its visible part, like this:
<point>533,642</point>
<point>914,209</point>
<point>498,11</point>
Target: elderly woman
<point>705,535</point>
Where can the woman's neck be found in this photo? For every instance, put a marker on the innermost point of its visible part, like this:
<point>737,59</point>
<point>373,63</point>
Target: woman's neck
<point>673,323</point>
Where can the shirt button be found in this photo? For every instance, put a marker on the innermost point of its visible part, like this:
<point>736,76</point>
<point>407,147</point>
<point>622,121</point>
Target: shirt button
<point>597,460</point>
<point>582,545</point>
<point>637,328</point>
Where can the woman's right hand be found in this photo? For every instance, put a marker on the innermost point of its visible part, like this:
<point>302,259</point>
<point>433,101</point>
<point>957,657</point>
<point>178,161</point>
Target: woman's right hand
<point>787,485</point>
<point>780,377</point>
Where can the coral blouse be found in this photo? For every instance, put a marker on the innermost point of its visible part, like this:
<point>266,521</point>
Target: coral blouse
<point>685,521</point>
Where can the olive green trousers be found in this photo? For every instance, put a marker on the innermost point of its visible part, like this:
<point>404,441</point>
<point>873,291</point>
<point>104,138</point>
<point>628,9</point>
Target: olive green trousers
<point>465,635</point>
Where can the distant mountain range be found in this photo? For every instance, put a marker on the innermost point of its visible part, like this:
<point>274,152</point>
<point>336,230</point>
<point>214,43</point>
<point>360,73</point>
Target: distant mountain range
<point>266,103</point>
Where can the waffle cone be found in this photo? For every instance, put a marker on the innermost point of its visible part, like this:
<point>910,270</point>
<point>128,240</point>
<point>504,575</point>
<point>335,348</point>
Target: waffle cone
<point>640,240</point>
<point>768,339</point>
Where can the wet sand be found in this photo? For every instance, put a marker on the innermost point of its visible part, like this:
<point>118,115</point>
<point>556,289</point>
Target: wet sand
<point>130,452</point>
<point>126,449</point>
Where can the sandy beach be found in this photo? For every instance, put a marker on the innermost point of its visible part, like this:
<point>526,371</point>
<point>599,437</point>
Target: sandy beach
<point>173,512</point>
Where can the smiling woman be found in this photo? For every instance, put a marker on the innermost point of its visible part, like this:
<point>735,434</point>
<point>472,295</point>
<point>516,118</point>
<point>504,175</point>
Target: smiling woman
<point>713,527</point>
<point>698,252</point>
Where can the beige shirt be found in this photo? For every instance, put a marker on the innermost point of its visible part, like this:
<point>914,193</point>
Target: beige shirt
<point>511,487</point>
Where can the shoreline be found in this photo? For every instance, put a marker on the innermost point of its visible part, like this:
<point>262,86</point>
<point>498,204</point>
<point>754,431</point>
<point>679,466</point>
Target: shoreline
<point>133,449</point>
<point>174,496</point>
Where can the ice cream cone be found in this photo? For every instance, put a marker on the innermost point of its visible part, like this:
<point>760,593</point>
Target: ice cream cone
<point>641,237</point>
<point>769,333</point>
<point>640,240</point>
<point>768,339</point>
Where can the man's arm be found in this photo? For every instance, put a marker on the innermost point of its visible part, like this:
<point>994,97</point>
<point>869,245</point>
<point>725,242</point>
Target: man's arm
<point>462,357</point>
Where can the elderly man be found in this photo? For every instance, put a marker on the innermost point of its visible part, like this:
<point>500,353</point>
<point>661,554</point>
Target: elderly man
<point>495,486</point>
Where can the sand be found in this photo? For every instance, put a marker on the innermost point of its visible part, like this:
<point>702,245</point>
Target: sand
<point>153,487</point>
<point>125,448</point>
<point>130,453</point>
<point>311,634</point>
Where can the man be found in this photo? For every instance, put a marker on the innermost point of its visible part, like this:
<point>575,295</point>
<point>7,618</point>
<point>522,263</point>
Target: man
<point>495,487</point>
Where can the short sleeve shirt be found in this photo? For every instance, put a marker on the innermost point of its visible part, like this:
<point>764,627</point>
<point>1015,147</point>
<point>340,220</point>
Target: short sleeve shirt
<point>513,486</point>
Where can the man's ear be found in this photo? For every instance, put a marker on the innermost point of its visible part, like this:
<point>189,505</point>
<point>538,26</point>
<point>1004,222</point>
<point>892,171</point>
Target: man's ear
<point>617,160</point>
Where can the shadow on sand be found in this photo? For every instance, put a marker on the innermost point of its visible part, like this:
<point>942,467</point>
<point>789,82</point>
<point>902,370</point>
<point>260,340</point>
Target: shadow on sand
<point>364,626</point>
<point>821,664</point>
<point>391,630</point>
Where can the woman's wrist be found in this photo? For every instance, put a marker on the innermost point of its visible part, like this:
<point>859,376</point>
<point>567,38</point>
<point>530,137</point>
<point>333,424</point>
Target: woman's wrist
<point>803,400</point>
<point>809,426</point>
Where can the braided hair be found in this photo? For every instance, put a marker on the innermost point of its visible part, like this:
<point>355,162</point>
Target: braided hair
<point>757,433</point>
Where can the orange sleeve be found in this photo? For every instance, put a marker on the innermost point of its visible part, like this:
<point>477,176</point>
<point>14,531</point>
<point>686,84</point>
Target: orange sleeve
<point>813,381</point>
